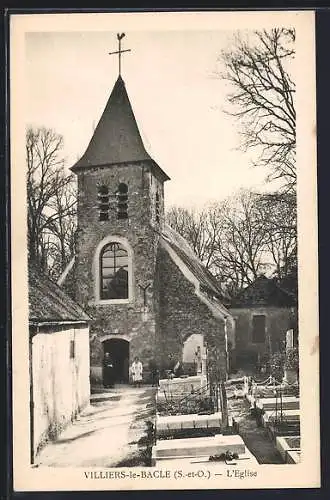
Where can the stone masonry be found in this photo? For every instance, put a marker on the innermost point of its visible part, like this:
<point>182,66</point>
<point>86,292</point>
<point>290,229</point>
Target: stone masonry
<point>170,294</point>
<point>133,319</point>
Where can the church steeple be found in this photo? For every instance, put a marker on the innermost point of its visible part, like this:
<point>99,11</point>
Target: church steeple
<point>116,138</point>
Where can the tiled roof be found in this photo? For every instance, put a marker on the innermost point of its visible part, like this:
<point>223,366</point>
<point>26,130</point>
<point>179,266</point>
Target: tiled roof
<point>49,303</point>
<point>190,259</point>
<point>116,138</point>
<point>263,292</point>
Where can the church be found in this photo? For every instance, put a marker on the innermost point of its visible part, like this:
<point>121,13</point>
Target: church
<point>146,291</point>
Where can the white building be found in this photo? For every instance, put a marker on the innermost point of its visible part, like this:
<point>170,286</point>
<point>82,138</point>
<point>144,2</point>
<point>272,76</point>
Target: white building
<point>59,360</point>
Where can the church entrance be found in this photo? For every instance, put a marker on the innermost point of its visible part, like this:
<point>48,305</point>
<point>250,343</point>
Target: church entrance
<point>118,351</point>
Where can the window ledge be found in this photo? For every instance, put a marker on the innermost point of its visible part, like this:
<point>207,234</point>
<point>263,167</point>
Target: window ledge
<point>106,302</point>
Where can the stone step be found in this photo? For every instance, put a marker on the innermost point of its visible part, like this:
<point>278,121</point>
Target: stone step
<point>192,421</point>
<point>198,447</point>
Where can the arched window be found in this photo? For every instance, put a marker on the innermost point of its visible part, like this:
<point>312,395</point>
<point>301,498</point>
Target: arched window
<point>103,202</point>
<point>122,201</point>
<point>157,208</point>
<point>113,272</point>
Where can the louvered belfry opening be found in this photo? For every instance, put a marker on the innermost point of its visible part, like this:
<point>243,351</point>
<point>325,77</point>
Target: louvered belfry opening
<point>103,202</point>
<point>122,201</point>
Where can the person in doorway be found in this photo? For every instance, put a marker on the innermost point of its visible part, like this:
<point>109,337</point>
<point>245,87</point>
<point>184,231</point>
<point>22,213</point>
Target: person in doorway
<point>108,371</point>
<point>137,372</point>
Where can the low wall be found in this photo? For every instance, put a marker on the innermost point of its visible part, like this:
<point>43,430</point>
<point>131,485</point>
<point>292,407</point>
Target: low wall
<point>293,457</point>
<point>182,385</point>
<point>283,444</point>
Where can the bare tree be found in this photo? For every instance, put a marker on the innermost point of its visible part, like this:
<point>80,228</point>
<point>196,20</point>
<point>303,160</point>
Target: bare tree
<point>240,238</point>
<point>193,226</point>
<point>258,70</point>
<point>51,201</point>
<point>278,215</point>
<point>240,254</point>
<point>227,237</point>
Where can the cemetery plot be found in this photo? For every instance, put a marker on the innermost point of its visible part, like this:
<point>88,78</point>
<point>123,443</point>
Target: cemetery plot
<point>265,412</point>
<point>190,428</point>
<point>182,396</point>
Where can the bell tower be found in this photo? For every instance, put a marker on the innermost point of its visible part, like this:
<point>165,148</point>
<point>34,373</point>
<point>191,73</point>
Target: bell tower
<point>120,216</point>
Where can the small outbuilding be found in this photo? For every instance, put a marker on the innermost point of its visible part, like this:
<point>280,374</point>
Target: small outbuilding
<point>263,312</point>
<point>59,359</point>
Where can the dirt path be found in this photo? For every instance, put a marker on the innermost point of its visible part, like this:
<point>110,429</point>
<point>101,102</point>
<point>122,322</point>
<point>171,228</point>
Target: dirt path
<point>256,438</point>
<point>108,432</point>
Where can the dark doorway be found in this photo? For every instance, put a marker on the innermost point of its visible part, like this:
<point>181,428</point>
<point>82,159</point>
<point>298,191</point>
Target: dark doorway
<point>118,350</point>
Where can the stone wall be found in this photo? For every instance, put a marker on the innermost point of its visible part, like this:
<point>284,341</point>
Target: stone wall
<point>278,321</point>
<point>136,317</point>
<point>182,313</point>
<point>60,383</point>
<point>156,327</point>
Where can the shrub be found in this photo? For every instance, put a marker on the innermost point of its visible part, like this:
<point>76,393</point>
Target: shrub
<point>276,365</point>
<point>292,359</point>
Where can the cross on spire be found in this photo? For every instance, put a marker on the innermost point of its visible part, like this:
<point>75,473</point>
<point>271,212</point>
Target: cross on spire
<point>119,51</point>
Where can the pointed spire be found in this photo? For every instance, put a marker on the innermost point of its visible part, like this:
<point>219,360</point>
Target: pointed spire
<point>116,138</point>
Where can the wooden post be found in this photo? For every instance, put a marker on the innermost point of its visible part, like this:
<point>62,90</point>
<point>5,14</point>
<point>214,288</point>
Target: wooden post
<point>215,396</point>
<point>32,450</point>
<point>219,399</point>
<point>224,408</point>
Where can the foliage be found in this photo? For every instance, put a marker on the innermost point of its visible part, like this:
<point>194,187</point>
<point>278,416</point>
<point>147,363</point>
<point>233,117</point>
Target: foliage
<point>196,404</point>
<point>280,361</point>
<point>276,365</point>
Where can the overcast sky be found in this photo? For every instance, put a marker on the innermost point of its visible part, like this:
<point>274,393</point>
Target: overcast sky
<point>177,97</point>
